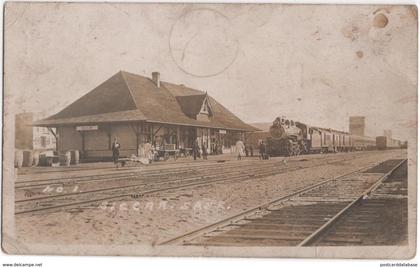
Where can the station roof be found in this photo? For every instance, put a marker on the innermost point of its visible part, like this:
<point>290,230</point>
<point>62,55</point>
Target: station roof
<point>127,97</point>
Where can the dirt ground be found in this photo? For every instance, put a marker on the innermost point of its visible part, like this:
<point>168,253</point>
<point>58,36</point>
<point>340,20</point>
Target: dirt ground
<point>160,216</point>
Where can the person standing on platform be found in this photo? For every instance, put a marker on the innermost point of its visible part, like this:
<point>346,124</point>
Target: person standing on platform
<point>195,149</point>
<point>115,150</point>
<point>240,149</point>
<point>148,151</point>
<point>262,150</point>
<point>266,156</point>
<point>204,149</point>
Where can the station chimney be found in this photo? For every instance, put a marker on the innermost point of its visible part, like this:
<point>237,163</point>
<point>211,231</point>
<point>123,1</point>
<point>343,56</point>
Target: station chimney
<point>156,78</point>
<point>357,125</point>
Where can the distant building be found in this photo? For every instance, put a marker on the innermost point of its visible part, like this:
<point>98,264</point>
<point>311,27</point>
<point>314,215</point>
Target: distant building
<point>28,137</point>
<point>136,110</point>
<point>24,131</point>
<point>43,139</point>
<point>357,125</point>
<point>388,134</point>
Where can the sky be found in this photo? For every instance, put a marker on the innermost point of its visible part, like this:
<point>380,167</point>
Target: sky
<point>317,64</point>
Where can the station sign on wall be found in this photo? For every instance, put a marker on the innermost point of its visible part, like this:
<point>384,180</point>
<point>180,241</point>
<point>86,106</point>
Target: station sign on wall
<point>87,128</point>
<point>222,131</point>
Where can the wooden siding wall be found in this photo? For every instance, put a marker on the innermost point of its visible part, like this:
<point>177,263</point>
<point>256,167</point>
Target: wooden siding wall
<point>97,143</point>
<point>68,139</point>
<point>96,140</point>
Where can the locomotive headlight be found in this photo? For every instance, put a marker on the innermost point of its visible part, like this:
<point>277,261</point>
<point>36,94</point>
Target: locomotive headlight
<point>277,131</point>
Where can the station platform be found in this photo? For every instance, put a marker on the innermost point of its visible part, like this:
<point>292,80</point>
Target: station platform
<point>99,168</point>
<point>106,167</point>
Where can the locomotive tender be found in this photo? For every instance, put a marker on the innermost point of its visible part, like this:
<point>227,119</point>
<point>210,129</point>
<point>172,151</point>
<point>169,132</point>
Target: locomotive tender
<point>288,138</point>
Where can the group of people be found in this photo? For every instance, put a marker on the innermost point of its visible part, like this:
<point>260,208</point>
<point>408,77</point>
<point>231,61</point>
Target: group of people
<point>241,149</point>
<point>148,151</point>
<point>216,148</point>
<point>197,150</point>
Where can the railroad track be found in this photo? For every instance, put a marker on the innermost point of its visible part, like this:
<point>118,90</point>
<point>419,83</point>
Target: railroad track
<point>25,190</point>
<point>298,219</point>
<point>384,214</point>
<point>59,201</point>
<point>135,172</point>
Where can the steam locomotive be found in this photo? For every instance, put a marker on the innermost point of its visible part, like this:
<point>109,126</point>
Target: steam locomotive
<point>289,138</point>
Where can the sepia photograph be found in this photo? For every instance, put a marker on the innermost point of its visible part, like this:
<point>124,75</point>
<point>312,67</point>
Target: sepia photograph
<point>210,129</point>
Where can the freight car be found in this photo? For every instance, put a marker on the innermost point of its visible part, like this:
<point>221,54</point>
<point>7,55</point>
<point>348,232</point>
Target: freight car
<point>383,142</point>
<point>324,140</point>
<point>363,143</point>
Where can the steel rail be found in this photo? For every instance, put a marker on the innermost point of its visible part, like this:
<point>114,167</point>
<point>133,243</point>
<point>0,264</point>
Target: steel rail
<point>208,228</point>
<point>143,183</point>
<point>134,171</point>
<point>310,239</point>
<point>274,171</point>
<point>240,177</point>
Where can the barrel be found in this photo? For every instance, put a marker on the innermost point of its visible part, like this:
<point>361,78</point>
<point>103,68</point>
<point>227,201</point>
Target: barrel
<point>18,158</point>
<point>43,160</point>
<point>35,158</point>
<point>65,159</point>
<point>28,158</point>
<point>75,157</point>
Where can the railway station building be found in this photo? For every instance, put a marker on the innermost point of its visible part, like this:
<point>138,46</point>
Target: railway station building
<point>138,109</point>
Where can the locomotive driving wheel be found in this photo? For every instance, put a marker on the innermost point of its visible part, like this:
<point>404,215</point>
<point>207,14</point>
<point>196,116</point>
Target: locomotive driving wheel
<point>297,150</point>
<point>290,148</point>
<point>303,148</point>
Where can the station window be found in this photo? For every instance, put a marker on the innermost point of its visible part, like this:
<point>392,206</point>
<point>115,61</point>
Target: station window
<point>43,141</point>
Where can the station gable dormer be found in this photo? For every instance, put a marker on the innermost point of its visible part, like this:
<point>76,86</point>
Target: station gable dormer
<point>206,110</point>
<point>196,106</point>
